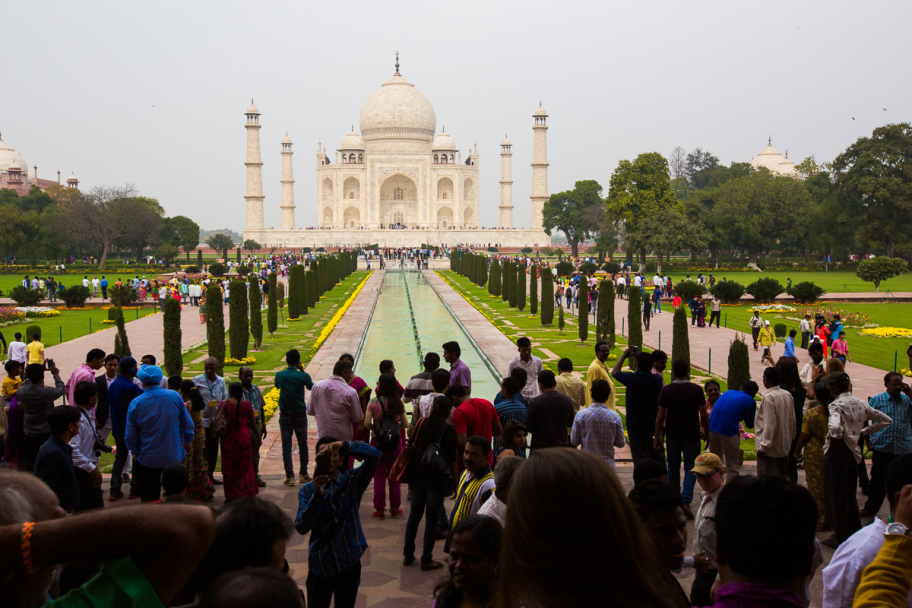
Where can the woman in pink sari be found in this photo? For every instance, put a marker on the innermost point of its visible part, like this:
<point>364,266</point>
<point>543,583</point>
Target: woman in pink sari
<point>237,461</point>
<point>142,291</point>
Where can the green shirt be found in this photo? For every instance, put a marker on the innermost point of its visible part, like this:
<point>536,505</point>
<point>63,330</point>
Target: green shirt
<point>120,583</point>
<point>292,382</point>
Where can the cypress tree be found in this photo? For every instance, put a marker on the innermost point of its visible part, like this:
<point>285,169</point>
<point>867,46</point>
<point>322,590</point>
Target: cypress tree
<point>294,291</point>
<point>547,302</point>
<point>521,286</point>
<point>508,276</point>
<point>533,290</point>
<point>583,309</point>
<point>272,307</point>
<point>680,339</point>
<point>482,270</point>
<point>560,319</point>
<point>215,323</point>
<point>494,285</point>
<point>311,288</point>
<point>738,363</point>
<point>634,322</point>
<point>171,330</point>
<point>280,298</point>
<point>604,326</point>
<point>199,259</point>
<point>121,343</point>
<point>256,313</point>
<point>239,329</point>
<point>238,255</point>
<point>302,288</point>
<point>514,285</point>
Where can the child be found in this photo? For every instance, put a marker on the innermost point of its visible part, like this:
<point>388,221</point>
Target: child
<point>841,348</point>
<point>10,414</point>
<point>174,481</point>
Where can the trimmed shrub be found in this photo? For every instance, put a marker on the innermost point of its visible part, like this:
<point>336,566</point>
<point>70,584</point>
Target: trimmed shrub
<point>294,291</point>
<point>256,313</point>
<point>583,310</point>
<point>687,290</point>
<point>738,363</point>
<point>112,314</point>
<point>218,269</point>
<point>508,277</point>
<point>272,309</point>
<point>521,287</point>
<point>560,319</point>
<point>302,286</point>
<point>526,250</point>
<point>30,332</point>
<point>729,292</point>
<point>588,268</point>
<point>514,285</point>
<point>805,292</point>
<point>604,326</point>
<point>24,296</point>
<point>533,290</point>
<point>680,342</point>
<point>215,323</point>
<point>121,342</point>
<point>634,322</point>
<point>122,295</point>
<point>238,330</point>
<point>76,296</point>
<point>564,269</point>
<point>199,258</point>
<point>280,299</point>
<point>243,270</point>
<point>765,290</point>
<point>192,270</point>
<point>310,288</point>
<point>171,330</point>
<point>547,300</point>
<point>494,286</point>
<point>611,267</point>
<point>780,330</point>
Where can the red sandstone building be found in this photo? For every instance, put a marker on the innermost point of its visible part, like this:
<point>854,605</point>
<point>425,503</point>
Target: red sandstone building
<point>15,174</point>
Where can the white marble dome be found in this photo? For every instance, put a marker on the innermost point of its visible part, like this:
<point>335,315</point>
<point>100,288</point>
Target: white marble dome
<point>286,140</point>
<point>506,142</point>
<point>540,112</point>
<point>352,141</point>
<point>443,142</point>
<point>398,110</point>
<point>8,156</point>
<point>252,109</point>
<point>769,158</point>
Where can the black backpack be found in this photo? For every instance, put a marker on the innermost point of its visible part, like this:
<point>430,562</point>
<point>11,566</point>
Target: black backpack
<point>387,431</point>
<point>433,457</point>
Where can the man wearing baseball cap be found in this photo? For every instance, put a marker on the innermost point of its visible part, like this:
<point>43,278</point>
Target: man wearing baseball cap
<point>767,339</point>
<point>710,473</point>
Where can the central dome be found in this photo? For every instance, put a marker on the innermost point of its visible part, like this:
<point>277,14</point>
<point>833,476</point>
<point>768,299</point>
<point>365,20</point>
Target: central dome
<point>397,110</point>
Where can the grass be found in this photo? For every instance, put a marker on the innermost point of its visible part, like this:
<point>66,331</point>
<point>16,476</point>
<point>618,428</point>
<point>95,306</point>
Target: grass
<point>71,324</point>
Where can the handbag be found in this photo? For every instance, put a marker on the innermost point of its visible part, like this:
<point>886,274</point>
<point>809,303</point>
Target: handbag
<point>402,467</point>
<point>219,427</point>
<point>433,457</point>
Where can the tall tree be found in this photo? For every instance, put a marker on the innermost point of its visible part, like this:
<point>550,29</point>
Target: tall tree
<point>239,330</point>
<point>171,328</point>
<point>570,212</point>
<point>698,160</point>
<point>680,339</point>
<point>295,277</point>
<point>256,311</point>
<point>215,323</point>
<point>494,282</point>
<point>272,305</point>
<point>521,286</point>
<point>221,243</point>
<point>667,232</point>
<point>677,163</point>
<point>547,300</point>
<point>604,311</point>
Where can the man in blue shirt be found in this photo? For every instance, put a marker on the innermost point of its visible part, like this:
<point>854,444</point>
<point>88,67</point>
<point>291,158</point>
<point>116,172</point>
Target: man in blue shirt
<point>158,429</point>
<point>104,288</point>
<point>732,408</point>
<point>891,442</point>
<point>122,391</point>
<point>790,346</point>
<point>328,509</point>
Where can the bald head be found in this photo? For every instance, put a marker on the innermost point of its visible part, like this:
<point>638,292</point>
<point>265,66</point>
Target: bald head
<point>211,366</point>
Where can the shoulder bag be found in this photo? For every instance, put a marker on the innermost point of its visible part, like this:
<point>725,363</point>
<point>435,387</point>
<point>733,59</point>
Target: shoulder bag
<point>433,457</point>
<point>219,427</point>
<point>402,467</point>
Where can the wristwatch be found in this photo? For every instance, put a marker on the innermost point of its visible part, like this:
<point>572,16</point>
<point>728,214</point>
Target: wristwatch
<point>897,529</point>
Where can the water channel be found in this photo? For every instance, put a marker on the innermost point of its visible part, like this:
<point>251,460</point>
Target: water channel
<point>409,321</point>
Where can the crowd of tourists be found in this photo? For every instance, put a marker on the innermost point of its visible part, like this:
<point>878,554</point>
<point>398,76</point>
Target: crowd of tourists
<point>520,485</point>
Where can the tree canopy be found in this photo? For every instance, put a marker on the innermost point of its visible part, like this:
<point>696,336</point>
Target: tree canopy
<point>574,212</point>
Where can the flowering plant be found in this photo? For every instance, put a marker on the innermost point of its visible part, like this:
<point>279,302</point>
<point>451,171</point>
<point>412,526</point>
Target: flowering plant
<point>244,361</point>
<point>10,315</point>
<point>849,318</point>
<point>37,311</point>
<point>271,400</point>
<point>906,372</point>
<point>888,332</point>
<point>77,308</point>
<point>771,308</point>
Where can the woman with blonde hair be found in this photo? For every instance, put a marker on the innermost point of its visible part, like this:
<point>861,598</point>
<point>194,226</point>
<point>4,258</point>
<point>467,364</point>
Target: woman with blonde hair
<point>575,540</point>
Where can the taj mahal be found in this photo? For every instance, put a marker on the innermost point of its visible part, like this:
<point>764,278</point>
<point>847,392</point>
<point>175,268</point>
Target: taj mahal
<point>398,183</point>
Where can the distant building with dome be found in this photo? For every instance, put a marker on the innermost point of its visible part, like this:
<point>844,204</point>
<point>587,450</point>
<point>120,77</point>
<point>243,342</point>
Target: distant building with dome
<point>397,183</point>
<point>770,159</point>
<point>16,175</point>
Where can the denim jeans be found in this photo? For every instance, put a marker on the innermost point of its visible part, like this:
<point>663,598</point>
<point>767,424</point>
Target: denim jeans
<point>294,424</point>
<point>427,498</point>
<point>690,451</point>
<point>658,305</point>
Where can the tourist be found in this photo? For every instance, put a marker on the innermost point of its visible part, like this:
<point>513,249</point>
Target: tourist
<point>790,380</point>
<point>755,323</point>
<point>642,401</point>
<point>647,313</point>
<point>420,384</point>
<point>659,362</point>
<point>430,481</point>
<point>509,408</point>
<point>459,371</point>
<point>17,350</point>
<point>767,338</point>
<point>335,405</point>
<point>292,382</point>
<point>472,417</point>
<point>843,574</point>
<point>54,461</point>
<point>681,415</point>
<point>85,454</point>
<point>359,433</point>
<point>202,309</point>
<point>815,365</point>
<point>385,420</point>
<point>646,470</point>
<point>213,391</point>
<point>237,463</point>
<point>842,452</point>
<point>841,348</point>
<point>774,427</point>
<point>709,471</point>
<point>550,415</point>
<point>121,393</point>
<point>472,566</point>
<point>476,484</point>
<point>328,510</point>
<point>694,309</point>
<point>103,409</point>
<point>657,300</point>
<point>254,395</point>
<point>388,367</point>
<point>35,350</point>
<point>150,360</point>
<point>36,402</point>
<point>701,312</point>
<point>713,391</point>
<point>891,442</point>
<point>598,429</point>
<point>598,370</point>
<point>715,308</point>
<point>158,427</point>
<point>813,436</point>
<point>85,372</point>
<point>530,363</point>
<point>519,374</point>
<point>570,385</point>
<point>805,328</point>
<point>440,380</point>
<point>790,346</point>
<point>496,506</point>
<point>11,415</point>
<point>835,329</point>
<point>823,336</point>
<point>174,481</point>
<point>199,486</point>
<point>512,440</point>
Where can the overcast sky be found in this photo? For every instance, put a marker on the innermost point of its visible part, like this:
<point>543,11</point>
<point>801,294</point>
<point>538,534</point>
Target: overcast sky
<point>154,93</point>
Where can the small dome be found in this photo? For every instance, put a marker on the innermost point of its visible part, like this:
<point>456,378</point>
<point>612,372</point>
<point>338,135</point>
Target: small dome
<point>540,112</point>
<point>8,156</point>
<point>252,109</point>
<point>506,142</point>
<point>286,140</point>
<point>72,177</point>
<point>769,158</point>
<point>352,141</point>
<point>443,142</point>
<point>787,167</point>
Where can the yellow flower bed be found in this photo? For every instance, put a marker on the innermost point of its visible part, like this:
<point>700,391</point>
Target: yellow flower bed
<point>44,314</point>
<point>108,322</point>
<point>244,361</point>
<point>906,372</point>
<point>76,308</point>
<point>109,307</point>
<point>272,404</point>
<point>888,332</point>
<point>338,316</point>
<point>293,319</point>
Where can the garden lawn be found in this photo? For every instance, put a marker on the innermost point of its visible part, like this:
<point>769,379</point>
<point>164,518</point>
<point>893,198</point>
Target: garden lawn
<point>548,342</point>
<point>71,324</point>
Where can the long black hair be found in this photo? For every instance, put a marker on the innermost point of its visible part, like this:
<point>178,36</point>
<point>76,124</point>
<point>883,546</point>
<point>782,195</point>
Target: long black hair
<point>193,395</point>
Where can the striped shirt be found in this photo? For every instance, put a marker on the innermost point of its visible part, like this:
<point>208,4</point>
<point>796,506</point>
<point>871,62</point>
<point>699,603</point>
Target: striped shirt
<point>598,430</point>
<point>896,438</point>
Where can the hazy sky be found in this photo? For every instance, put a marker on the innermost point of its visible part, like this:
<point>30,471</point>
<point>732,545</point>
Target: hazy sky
<point>154,93</point>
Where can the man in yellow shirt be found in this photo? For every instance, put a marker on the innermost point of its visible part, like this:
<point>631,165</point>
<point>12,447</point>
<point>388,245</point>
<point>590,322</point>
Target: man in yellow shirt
<point>35,350</point>
<point>570,385</point>
<point>599,371</point>
<point>767,338</point>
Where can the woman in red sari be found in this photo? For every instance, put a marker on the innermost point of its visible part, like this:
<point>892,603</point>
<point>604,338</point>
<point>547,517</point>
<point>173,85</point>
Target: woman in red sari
<point>237,462</point>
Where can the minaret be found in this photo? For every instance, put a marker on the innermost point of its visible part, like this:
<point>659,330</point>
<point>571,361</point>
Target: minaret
<point>254,195</point>
<point>288,206</point>
<point>539,167</point>
<point>506,183</point>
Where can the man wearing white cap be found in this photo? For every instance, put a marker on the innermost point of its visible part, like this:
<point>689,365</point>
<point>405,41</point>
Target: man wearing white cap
<point>158,430</point>
<point>767,338</point>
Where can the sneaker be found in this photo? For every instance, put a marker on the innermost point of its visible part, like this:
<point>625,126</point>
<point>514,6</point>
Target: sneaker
<point>132,496</point>
<point>687,512</point>
<point>379,515</point>
<point>396,513</point>
<point>289,481</point>
<point>260,482</point>
<point>304,478</point>
<point>114,497</point>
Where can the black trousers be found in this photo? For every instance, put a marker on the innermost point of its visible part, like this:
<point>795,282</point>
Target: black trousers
<point>90,497</point>
<point>28,450</point>
<point>321,589</point>
<point>212,448</point>
<point>714,315</point>
<point>805,339</point>
<point>877,491</point>
<point>643,448</point>
<point>646,318</point>
<point>755,331</point>
<point>840,476</point>
<point>702,585</point>
<point>693,318</point>
<point>793,464</point>
<point>149,481</point>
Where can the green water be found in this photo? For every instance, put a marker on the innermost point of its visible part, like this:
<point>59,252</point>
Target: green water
<point>391,334</point>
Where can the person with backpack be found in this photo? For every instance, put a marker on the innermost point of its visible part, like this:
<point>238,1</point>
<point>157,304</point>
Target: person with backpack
<point>386,419</point>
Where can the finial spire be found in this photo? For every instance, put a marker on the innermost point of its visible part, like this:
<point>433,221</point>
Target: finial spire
<point>251,101</point>
<point>397,62</point>
<point>769,140</point>
<point>353,127</point>
<point>443,129</point>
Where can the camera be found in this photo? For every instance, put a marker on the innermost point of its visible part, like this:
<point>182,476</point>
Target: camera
<point>634,348</point>
<point>48,364</point>
<point>103,447</point>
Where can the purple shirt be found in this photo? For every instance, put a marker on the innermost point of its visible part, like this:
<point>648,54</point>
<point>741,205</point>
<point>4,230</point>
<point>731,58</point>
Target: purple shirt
<point>750,595</point>
<point>460,374</point>
<point>336,406</point>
